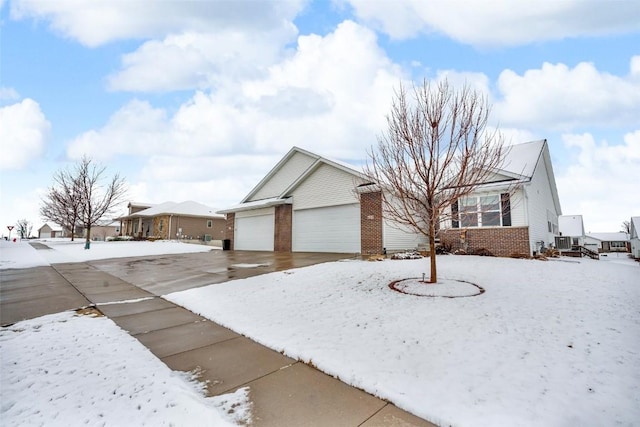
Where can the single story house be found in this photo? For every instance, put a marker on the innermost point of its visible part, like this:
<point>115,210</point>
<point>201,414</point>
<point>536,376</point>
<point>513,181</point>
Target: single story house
<point>608,242</point>
<point>634,236</point>
<point>572,234</point>
<point>308,203</point>
<point>515,212</point>
<point>170,220</point>
<point>51,231</point>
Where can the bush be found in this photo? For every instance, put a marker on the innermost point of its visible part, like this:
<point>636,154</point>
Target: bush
<point>406,255</point>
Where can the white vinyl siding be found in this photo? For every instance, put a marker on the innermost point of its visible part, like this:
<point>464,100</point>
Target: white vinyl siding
<point>541,209</point>
<point>328,229</point>
<point>254,230</point>
<point>327,185</point>
<point>287,174</point>
<point>398,237</point>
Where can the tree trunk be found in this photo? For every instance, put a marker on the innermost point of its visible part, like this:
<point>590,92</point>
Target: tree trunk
<point>433,277</point>
<point>87,243</point>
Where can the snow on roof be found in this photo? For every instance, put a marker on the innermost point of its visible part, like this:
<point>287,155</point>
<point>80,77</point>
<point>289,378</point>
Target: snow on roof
<point>52,225</point>
<point>571,225</point>
<point>620,236</point>
<point>264,203</point>
<point>635,225</point>
<point>188,208</point>
<point>521,159</point>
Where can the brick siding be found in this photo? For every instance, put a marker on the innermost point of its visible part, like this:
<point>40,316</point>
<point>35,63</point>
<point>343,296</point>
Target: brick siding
<point>282,230</point>
<point>230,228</point>
<point>371,223</point>
<point>501,241</point>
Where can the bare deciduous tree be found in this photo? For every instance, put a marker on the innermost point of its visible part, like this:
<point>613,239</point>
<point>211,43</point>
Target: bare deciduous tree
<point>80,198</point>
<point>24,228</point>
<point>62,202</point>
<point>436,150</point>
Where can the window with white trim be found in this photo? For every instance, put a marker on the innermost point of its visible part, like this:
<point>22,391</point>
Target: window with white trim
<point>490,210</point>
<point>209,223</point>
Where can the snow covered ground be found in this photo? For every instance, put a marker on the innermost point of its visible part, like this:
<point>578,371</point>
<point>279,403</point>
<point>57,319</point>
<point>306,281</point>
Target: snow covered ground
<point>75,370</point>
<point>70,370</point>
<point>548,343</point>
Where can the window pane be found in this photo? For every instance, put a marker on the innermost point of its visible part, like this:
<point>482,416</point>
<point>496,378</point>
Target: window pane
<point>468,205</point>
<point>489,203</point>
<point>490,219</point>
<point>469,220</point>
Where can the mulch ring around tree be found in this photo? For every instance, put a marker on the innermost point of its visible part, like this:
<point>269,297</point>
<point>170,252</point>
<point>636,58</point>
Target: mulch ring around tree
<point>445,288</point>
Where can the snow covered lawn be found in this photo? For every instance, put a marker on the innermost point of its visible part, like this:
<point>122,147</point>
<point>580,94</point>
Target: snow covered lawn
<point>74,370</point>
<point>549,343</point>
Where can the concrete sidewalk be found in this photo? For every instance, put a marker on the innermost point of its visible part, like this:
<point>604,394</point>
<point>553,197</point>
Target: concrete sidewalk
<point>284,392</point>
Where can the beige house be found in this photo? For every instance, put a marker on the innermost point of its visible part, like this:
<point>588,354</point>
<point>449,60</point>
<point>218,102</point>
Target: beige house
<point>170,220</point>
<point>51,231</point>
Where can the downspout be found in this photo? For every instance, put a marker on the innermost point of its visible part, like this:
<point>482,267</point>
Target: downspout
<point>169,228</point>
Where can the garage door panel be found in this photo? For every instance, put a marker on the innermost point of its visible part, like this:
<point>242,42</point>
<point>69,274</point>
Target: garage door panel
<point>328,229</point>
<point>254,233</point>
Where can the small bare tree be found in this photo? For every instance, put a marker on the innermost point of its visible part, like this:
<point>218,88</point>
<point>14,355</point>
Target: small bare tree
<point>436,150</point>
<point>79,197</point>
<point>24,228</point>
<point>62,202</point>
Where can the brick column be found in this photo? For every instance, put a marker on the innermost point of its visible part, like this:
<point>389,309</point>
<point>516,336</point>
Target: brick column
<point>282,229</point>
<point>230,228</point>
<point>371,223</point>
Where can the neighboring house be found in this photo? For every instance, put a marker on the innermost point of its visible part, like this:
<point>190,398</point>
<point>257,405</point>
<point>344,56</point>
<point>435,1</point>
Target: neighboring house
<point>50,231</point>
<point>634,236</point>
<point>308,203</point>
<point>515,212</point>
<point>572,235</point>
<point>608,242</point>
<point>170,220</point>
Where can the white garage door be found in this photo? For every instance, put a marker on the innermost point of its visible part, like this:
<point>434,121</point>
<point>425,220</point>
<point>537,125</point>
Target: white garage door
<point>330,229</point>
<point>254,233</point>
<point>45,235</point>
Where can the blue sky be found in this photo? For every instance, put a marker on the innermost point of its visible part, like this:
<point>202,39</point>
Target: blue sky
<point>197,100</point>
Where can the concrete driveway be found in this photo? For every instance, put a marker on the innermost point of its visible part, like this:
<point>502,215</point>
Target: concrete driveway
<point>161,275</point>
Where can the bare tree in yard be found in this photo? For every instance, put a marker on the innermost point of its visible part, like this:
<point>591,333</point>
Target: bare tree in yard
<point>98,200</point>
<point>62,202</point>
<point>24,228</point>
<point>435,151</point>
<point>80,196</point>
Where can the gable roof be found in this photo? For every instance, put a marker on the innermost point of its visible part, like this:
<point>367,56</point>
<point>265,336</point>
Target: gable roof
<point>316,161</point>
<point>571,225</point>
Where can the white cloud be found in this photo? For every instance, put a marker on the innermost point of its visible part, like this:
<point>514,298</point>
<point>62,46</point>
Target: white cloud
<point>24,131</point>
<point>8,94</point>
<point>332,92</point>
<point>499,22</point>
<point>97,22</point>
<point>601,182</point>
<point>201,60</point>
<point>562,98</point>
